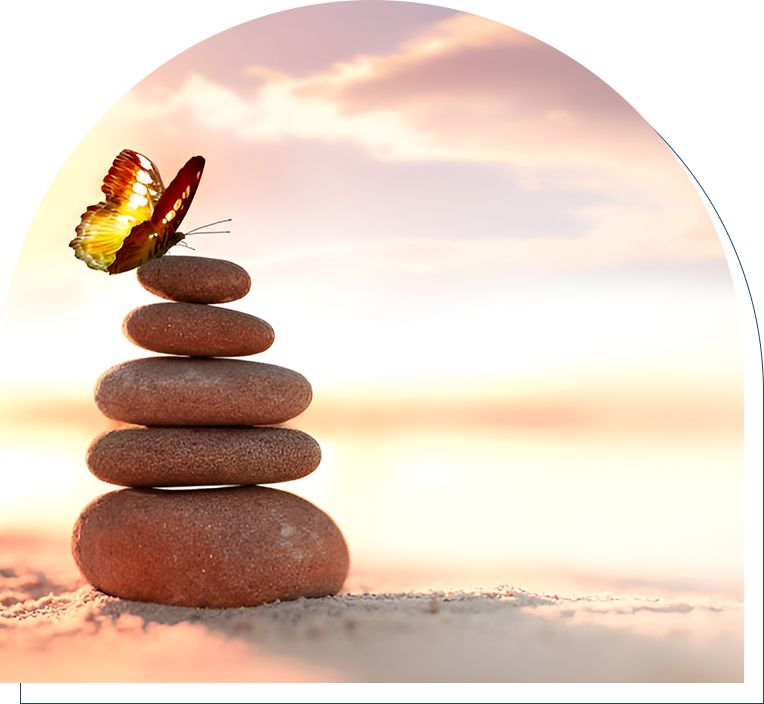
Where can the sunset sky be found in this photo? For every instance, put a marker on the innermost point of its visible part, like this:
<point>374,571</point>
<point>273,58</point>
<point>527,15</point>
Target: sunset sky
<point>441,215</point>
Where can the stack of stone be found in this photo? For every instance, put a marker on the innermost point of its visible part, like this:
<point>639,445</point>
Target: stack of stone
<point>196,420</point>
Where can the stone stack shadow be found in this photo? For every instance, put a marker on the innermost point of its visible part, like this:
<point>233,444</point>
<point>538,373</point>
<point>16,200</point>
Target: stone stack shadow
<point>196,418</point>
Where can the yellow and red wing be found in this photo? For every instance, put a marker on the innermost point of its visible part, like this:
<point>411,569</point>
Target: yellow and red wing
<point>133,188</point>
<point>138,221</point>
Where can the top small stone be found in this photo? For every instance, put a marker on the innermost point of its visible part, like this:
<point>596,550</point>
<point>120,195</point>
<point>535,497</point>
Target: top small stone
<point>194,279</point>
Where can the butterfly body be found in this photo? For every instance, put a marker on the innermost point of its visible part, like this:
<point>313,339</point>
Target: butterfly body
<point>139,219</point>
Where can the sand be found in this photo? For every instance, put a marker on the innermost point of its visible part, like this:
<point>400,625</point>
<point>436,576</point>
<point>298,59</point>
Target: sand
<point>56,628</point>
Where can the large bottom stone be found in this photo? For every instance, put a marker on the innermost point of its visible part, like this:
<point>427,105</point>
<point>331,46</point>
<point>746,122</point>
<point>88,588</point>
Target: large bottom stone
<point>231,547</point>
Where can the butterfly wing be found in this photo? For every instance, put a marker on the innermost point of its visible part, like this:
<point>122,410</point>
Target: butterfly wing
<point>133,189</point>
<point>138,221</point>
<point>151,239</point>
<point>173,205</point>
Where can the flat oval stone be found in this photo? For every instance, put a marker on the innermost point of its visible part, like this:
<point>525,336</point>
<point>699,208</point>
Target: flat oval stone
<point>200,391</point>
<point>197,330</point>
<point>216,548</point>
<point>137,456</point>
<point>194,279</point>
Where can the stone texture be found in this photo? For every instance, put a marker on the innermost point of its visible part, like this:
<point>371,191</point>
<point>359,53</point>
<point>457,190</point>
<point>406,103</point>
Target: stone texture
<point>231,547</point>
<point>197,330</point>
<point>137,456</point>
<point>194,279</point>
<point>182,391</point>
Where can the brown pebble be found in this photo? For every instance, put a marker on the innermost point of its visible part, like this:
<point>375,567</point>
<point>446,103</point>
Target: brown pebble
<point>197,330</point>
<point>198,391</point>
<point>137,456</point>
<point>217,548</point>
<point>194,279</point>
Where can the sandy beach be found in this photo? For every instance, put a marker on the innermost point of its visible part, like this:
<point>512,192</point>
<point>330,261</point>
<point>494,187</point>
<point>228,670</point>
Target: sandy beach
<point>56,628</point>
<point>537,580</point>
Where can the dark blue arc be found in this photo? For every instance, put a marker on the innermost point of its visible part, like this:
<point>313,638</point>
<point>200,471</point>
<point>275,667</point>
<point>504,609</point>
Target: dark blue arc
<point>741,215</point>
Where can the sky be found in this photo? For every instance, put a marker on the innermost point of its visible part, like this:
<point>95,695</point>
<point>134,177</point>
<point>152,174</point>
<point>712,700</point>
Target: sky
<point>443,219</point>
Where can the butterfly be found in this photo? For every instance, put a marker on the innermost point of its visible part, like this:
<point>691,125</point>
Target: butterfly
<point>139,219</point>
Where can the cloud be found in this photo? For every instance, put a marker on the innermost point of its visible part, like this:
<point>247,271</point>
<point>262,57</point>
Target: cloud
<point>520,89</point>
<point>517,117</point>
<point>469,89</point>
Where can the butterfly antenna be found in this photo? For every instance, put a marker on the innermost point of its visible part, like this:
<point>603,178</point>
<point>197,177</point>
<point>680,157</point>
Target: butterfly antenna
<point>196,230</point>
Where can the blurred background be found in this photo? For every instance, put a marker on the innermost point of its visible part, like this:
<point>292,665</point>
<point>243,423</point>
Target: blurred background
<point>515,312</point>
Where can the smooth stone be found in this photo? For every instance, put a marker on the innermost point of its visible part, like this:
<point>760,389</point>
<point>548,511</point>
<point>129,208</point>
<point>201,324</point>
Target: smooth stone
<point>137,456</point>
<point>197,330</point>
<point>200,391</point>
<point>216,548</point>
<point>194,279</point>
